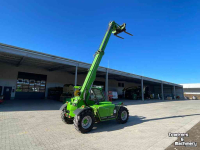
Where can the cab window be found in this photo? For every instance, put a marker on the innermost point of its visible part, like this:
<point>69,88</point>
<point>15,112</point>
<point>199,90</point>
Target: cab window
<point>96,94</point>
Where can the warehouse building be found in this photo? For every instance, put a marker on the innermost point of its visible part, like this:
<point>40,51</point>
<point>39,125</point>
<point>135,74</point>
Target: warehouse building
<point>27,74</point>
<point>191,90</point>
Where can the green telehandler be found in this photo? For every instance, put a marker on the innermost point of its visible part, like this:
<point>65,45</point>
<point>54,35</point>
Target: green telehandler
<point>89,104</point>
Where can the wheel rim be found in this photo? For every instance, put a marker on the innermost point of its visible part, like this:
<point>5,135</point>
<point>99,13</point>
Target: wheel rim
<point>86,122</point>
<point>123,115</point>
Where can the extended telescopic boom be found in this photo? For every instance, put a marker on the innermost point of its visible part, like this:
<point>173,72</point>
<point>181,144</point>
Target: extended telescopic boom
<point>115,29</point>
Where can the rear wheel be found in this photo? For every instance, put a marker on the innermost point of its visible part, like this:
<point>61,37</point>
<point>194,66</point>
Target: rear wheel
<point>64,118</point>
<point>84,121</point>
<point>123,115</point>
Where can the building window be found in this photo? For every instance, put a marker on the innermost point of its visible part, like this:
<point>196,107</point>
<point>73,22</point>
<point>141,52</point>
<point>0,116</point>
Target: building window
<point>23,85</point>
<point>28,82</point>
<point>120,84</point>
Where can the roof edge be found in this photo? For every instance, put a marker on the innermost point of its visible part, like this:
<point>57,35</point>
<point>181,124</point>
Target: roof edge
<point>86,64</point>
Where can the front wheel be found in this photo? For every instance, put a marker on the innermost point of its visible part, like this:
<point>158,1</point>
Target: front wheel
<point>84,121</point>
<point>64,118</point>
<point>123,115</point>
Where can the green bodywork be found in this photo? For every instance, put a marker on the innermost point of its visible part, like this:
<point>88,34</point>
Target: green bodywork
<point>103,110</point>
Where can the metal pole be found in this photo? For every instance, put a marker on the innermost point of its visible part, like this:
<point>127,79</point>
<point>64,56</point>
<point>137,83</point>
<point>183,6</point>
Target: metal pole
<point>106,88</point>
<point>162,93</point>
<point>142,90</point>
<point>183,93</point>
<point>76,75</point>
<point>174,92</point>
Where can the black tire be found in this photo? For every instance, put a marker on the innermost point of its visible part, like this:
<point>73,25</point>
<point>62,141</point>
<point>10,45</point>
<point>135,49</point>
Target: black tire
<point>64,118</point>
<point>79,118</point>
<point>119,117</point>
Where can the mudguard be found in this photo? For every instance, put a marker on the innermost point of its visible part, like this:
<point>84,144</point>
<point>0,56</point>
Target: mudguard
<point>63,106</point>
<point>78,111</point>
<point>117,107</point>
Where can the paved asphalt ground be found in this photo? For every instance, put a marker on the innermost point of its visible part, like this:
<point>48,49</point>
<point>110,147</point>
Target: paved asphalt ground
<point>36,125</point>
<point>194,136</point>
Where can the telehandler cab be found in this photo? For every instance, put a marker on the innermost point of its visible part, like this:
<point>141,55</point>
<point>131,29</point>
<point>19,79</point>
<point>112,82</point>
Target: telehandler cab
<point>89,104</point>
